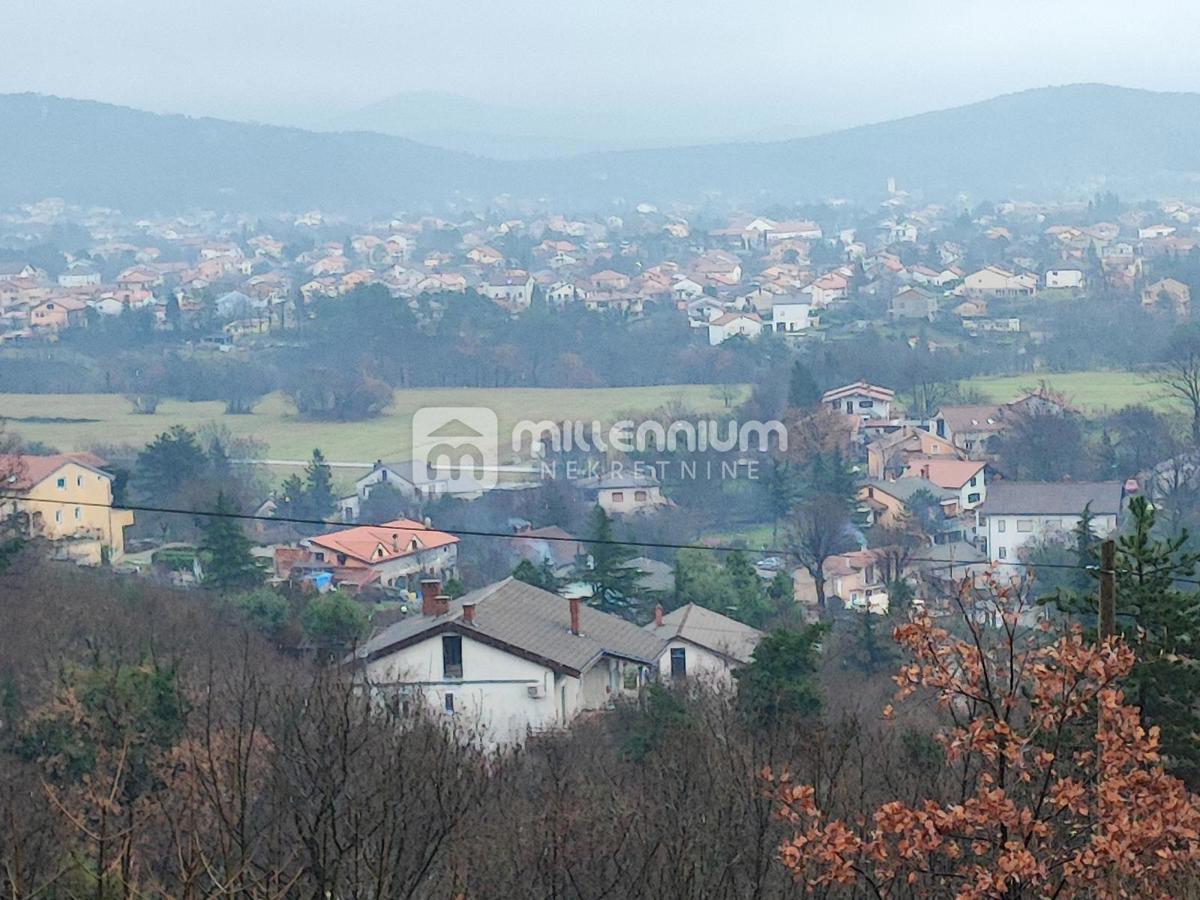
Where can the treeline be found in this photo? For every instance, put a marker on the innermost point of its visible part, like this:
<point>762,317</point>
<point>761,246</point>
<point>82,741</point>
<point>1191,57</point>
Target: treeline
<point>150,745</point>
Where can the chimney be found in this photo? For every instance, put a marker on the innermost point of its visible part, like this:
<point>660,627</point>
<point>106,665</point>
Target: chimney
<point>658,616</point>
<point>574,601</point>
<point>442,604</point>
<point>430,589</point>
<point>469,613</point>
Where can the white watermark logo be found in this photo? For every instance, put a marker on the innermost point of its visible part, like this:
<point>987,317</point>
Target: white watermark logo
<point>456,448</point>
<point>627,436</point>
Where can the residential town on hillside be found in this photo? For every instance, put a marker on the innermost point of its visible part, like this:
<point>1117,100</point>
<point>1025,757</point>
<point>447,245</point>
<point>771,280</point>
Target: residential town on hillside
<point>243,279</point>
<point>928,477</point>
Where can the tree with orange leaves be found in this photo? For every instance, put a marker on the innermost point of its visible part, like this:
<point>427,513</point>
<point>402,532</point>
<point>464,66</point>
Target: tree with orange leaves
<point>1052,786</point>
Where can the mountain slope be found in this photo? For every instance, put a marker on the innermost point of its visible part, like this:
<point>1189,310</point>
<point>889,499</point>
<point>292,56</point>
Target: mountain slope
<point>97,153</point>
<point>1050,142</point>
<point>1046,142</point>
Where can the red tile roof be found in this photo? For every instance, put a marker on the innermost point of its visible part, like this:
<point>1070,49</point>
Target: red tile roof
<point>373,544</point>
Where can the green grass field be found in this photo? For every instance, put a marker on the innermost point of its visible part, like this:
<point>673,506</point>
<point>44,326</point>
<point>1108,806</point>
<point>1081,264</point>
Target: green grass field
<point>78,421</point>
<point>1092,391</point>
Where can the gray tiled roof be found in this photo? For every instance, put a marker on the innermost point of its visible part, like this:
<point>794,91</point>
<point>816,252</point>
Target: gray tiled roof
<point>903,488</point>
<point>532,621</point>
<point>1052,498</point>
<point>709,629</point>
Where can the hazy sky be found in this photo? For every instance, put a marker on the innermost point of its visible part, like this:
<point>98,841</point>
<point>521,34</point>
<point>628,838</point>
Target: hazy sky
<point>814,65</point>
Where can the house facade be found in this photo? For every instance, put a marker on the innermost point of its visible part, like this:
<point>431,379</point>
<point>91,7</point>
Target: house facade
<point>701,645</point>
<point>507,660</point>
<point>396,554</point>
<point>866,401</point>
<point>66,499</point>
<point>1017,514</point>
<point>730,325</point>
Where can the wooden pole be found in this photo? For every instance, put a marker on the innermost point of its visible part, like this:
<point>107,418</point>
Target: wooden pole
<point>1108,589</point>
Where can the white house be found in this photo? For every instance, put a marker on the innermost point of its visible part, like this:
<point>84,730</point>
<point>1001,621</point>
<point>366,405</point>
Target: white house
<point>561,293</point>
<point>687,289</point>
<point>506,660</point>
<point>513,291</point>
<point>963,476</point>
<point>730,325</point>
<point>1064,278</point>
<point>412,482</point>
<point>79,274</point>
<point>1150,232</point>
<point>992,281</point>
<point>790,317</point>
<point>1017,513</point>
<point>699,644</point>
<point>620,492</point>
<point>868,401</point>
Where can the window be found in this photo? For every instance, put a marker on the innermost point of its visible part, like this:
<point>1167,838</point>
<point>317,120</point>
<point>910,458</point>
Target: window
<point>618,497</point>
<point>678,662</point>
<point>62,484</point>
<point>1002,553</point>
<point>452,657</point>
<point>78,514</point>
<point>448,703</point>
<point>973,498</point>
<point>1024,526</point>
<point>58,515</point>
<point>639,496</point>
<point>78,481</point>
<point>974,480</point>
<point>1001,526</point>
<point>866,404</point>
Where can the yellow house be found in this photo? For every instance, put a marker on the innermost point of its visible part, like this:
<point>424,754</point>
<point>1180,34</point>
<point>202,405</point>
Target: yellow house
<point>67,499</point>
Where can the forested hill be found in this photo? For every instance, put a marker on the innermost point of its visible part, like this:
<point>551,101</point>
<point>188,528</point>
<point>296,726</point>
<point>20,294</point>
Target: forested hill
<point>96,153</point>
<point>1050,142</point>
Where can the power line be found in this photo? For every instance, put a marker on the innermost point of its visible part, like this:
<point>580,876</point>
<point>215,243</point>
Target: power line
<point>652,545</point>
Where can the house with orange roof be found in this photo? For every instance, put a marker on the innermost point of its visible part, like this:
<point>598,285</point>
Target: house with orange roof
<point>57,313</point>
<point>65,499</point>
<point>485,256</point>
<point>963,476</point>
<point>396,554</point>
<point>827,289</point>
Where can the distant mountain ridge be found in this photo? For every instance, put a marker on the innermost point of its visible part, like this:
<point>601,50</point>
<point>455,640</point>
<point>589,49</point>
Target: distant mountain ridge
<point>1049,142</point>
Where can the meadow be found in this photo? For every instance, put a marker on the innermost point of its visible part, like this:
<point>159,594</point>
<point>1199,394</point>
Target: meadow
<point>1093,392</point>
<point>69,422</point>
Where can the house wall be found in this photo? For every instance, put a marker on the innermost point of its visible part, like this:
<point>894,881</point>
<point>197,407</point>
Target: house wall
<point>625,500</point>
<point>862,405</point>
<point>791,318</point>
<point>52,507</point>
<point>1008,535</point>
<point>1064,278</point>
<point>702,664</point>
<point>493,692</point>
<point>968,491</point>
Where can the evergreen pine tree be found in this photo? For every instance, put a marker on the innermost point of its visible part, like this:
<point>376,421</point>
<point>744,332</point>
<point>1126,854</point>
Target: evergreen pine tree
<point>225,550</point>
<point>318,487</point>
<point>613,582</point>
<point>803,392</point>
<point>1161,622</point>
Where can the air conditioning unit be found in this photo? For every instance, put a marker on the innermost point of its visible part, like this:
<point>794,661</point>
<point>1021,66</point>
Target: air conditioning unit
<point>536,691</point>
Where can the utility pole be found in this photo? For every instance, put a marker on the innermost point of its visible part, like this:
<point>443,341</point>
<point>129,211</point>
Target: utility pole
<point>1108,589</point>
